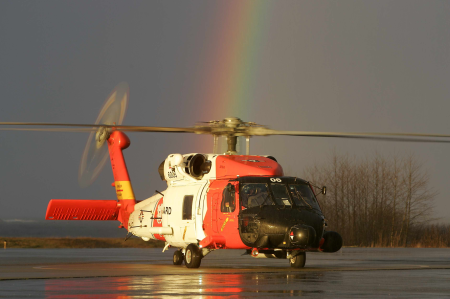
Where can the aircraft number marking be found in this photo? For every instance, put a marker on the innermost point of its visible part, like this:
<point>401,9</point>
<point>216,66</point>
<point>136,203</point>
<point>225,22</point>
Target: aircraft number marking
<point>275,180</point>
<point>171,173</point>
<point>167,210</point>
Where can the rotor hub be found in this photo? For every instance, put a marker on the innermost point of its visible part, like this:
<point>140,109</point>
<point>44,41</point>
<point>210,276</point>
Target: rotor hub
<point>101,136</point>
<point>232,122</point>
<point>230,126</point>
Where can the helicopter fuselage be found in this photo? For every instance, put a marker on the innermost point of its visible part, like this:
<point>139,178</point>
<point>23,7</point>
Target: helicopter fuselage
<point>219,208</point>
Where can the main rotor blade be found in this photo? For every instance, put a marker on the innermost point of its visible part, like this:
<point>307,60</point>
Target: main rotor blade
<point>92,127</point>
<point>408,137</point>
<point>240,131</point>
<point>82,130</point>
<point>156,129</point>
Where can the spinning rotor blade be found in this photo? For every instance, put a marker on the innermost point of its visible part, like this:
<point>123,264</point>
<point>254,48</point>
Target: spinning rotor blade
<point>95,153</point>
<point>50,129</point>
<point>155,129</point>
<point>89,128</point>
<point>223,128</point>
<point>408,137</point>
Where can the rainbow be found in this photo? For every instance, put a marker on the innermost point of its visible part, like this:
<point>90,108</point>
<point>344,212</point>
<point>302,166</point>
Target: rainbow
<point>230,76</point>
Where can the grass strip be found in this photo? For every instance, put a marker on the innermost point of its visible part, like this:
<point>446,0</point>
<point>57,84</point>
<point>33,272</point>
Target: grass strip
<point>80,242</point>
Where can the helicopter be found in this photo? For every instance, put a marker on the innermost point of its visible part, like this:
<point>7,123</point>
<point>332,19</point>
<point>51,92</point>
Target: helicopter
<point>213,200</point>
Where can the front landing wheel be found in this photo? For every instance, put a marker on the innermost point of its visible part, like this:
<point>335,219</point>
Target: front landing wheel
<point>298,261</point>
<point>178,257</point>
<point>193,256</point>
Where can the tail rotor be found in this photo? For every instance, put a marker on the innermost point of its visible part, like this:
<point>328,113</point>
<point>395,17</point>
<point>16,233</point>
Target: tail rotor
<point>95,153</point>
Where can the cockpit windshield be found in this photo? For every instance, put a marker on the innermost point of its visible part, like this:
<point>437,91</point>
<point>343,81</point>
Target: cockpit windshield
<point>303,196</point>
<point>253,195</point>
<point>280,192</point>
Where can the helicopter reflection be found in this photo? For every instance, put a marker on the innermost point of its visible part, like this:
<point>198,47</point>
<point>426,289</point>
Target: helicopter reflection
<point>190,285</point>
<point>108,288</point>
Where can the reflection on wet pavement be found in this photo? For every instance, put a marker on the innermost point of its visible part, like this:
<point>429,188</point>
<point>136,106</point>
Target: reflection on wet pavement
<point>357,273</point>
<point>407,284</point>
<point>167,286</point>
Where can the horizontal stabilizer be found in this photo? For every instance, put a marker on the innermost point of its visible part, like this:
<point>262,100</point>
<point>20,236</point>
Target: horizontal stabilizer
<point>82,209</point>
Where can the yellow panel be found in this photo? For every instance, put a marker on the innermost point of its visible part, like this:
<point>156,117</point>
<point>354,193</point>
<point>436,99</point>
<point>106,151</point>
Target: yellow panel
<point>124,190</point>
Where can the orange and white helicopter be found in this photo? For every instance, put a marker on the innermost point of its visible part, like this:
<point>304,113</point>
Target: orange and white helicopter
<point>212,201</point>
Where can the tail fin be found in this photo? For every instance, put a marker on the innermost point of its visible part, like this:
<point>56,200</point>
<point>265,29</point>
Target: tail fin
<point>117,142</point>
<point>75,209</point>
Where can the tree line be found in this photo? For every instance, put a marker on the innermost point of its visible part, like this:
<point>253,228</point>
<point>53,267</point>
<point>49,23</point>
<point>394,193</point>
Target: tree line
<point>379,201</point>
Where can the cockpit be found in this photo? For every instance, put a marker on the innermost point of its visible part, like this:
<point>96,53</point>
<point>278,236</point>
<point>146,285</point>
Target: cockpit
<point>255,194</point>
<point>286,192</point>
<point>272,209</point>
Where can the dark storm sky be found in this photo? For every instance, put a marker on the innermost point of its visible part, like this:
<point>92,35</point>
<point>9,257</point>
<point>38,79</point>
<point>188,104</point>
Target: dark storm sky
<point>379,66</point>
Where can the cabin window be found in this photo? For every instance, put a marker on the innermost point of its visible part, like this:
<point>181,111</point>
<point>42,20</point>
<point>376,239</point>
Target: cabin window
<point>228,199</point>
<point>187,207</point>
<point>255,195</point>
<point>280,194</point>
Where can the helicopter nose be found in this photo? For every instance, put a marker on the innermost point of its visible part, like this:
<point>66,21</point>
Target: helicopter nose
<point>302,235</point>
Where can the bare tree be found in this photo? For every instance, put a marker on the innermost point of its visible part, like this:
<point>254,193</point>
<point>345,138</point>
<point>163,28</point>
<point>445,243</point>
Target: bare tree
<point>374,201</point>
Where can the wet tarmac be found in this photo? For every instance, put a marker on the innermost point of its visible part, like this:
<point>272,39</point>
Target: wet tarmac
<point>148,273</point>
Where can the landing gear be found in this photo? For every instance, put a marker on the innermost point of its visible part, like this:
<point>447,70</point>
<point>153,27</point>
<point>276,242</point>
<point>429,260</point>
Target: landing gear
<point>193,256</point>
<point>178,257</point>
<point>298,261</point>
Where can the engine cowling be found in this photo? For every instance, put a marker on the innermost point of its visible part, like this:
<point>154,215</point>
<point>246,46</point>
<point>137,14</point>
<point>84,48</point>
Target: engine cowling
<point>176,167</point>
<point>197,166</point>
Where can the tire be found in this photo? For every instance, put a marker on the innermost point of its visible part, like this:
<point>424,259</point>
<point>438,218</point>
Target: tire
<point>298,261</point>
<point>178,257</point>
<point>193,256</point>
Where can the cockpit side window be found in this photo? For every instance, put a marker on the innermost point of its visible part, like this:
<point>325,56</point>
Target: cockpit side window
<point>280,194</point>
<point>228,199</point>
<point>254,195</point>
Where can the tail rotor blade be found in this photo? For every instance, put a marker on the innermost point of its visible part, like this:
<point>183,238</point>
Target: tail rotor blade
<point>95,153</point>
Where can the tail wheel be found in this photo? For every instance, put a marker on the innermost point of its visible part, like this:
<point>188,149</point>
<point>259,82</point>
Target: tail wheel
<point>193,256</point>
<point>298,261</point>
<point>178,257</point>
